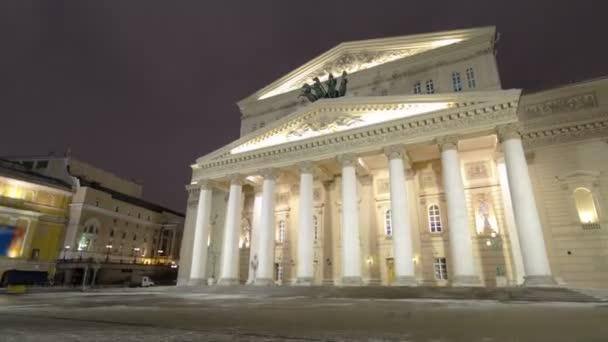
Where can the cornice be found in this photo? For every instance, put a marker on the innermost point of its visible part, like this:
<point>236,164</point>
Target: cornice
<point>462,120</point>
<point>114,214</point>
<point>534,138</point>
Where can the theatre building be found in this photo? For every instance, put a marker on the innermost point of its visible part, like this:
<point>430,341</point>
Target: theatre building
<point>420,169</point>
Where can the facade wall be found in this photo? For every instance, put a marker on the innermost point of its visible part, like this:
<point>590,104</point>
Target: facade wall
<point>579,256</point>
<point>36,215</point>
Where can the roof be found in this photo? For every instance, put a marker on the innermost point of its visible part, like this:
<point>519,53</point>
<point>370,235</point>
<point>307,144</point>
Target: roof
<point>129,199</point>
<point>365,54</point>
<point>13,169</point>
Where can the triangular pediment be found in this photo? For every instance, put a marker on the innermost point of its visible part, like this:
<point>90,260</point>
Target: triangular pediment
<point>333,116</point>
<point>356,56</point>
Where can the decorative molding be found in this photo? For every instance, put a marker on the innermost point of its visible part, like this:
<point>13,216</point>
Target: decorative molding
<point>394,151</point>
<point>566,133</point>
<point>571,103</point>
<point>269,173</point>
<point>464,118</point>
<point>306,166</point>
<point>235,179</point>
<point>447,142</point>
<point>477,170</point>
<point>509,131</point>
<point>347,159</point>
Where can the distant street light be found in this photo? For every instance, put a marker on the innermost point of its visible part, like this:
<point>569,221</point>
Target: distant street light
<point>65,252</point>
<point>135,250</point>
<point>108,249</point>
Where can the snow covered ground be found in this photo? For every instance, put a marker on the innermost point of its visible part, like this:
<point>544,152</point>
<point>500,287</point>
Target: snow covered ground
<point>159,315</point>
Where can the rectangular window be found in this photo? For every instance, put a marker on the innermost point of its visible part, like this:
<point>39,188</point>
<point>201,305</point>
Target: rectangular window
<point>471,78</point>
<point>441,269</point>
<point>456,83</point>
<point>430,87</point>
<point>417,88</point>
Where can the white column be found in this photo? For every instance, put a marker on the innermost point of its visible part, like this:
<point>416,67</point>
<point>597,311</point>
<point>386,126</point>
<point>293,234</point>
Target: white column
<point>255,238</point>
<point>305,271</point>
<point>529,229</point>
<point>229,273</point>
<point>185,256</point>
<point>403,250</point>
<point>351,248</point>
<point>201,235</point>
<point>266,238</point>
<point>461,246</point>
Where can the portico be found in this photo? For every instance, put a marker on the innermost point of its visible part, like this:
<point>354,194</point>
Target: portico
<point>331,159</point>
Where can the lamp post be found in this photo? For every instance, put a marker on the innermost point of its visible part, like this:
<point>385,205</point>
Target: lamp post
<point>108,249</point>
<point>65,252</point>
<point>160,255</point>
<point>135,251</point>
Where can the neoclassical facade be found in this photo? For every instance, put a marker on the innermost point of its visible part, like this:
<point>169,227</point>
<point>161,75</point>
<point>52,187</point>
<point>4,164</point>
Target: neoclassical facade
<point>426,172</point>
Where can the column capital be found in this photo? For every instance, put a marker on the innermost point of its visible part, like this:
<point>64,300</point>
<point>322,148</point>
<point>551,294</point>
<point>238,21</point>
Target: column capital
<point>235,179</point>
<point>509,131</point>
<point>204,184</point>
<point>347,159</point>
<point>395,152</point>
<point>447,142</point>
<point>269,173</point>
<point>306,166</point>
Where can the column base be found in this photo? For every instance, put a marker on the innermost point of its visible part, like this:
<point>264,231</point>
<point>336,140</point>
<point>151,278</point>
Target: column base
<point>304,281</point>
<point>466,281</point>
<point>228,281</point>
<point>352,281</point>
<point>197,282</point>
<point>539,281</point>
<point>405,281</point>
<point>263,282</point>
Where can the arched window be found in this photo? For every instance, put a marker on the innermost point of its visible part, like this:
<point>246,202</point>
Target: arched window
<point>388,224</point>
<point>315,225</point>
<point>434,219</point>
<point>585,206</point>
<point>281,232</point>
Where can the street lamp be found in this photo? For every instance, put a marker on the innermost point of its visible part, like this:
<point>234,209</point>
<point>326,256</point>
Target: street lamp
<point>108,249</point>
<point>160,252</point>
<point>65,252</point>
<point>135,250</point>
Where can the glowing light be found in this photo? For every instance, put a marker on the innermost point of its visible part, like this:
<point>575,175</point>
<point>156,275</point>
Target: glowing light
<point>370,260</point>
<point>14,192</point>
<point>323,123</point>
<point>299,79</point>
<point>488,243</point>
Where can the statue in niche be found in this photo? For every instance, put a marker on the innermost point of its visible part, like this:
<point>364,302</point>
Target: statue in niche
<point>486,222</point>
<point>316,91</point>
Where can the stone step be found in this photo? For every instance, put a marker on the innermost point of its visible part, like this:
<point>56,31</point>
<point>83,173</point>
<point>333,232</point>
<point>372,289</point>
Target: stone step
<point>557,294</point>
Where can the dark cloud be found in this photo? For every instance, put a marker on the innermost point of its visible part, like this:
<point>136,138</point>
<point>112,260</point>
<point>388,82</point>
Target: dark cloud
<point>142,88</point>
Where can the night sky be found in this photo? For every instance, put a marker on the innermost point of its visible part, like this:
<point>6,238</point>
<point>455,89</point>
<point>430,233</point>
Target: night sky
<point>143,88</point>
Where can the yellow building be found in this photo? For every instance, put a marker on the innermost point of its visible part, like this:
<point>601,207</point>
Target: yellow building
<point>33,214</point>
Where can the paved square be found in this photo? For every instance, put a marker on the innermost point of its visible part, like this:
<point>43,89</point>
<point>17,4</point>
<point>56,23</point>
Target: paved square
<point>171,315</point>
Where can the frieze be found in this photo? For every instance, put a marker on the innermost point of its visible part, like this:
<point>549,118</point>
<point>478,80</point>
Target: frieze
<point>477,170</point>
<point>566,133</point>
<point>411,129</point>
<point>563,104</point>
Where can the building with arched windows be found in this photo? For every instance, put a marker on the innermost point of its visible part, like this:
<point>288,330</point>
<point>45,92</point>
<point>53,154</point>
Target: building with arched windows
<point>426,172</point>
<point>111,231</point>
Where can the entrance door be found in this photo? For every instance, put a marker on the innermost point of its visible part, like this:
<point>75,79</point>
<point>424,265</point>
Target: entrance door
<point>390,271</point>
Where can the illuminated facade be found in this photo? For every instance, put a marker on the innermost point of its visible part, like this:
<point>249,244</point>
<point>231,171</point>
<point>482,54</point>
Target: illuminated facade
<point>33,214</point>
<point>426,173</point>
<point>108,221</point>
